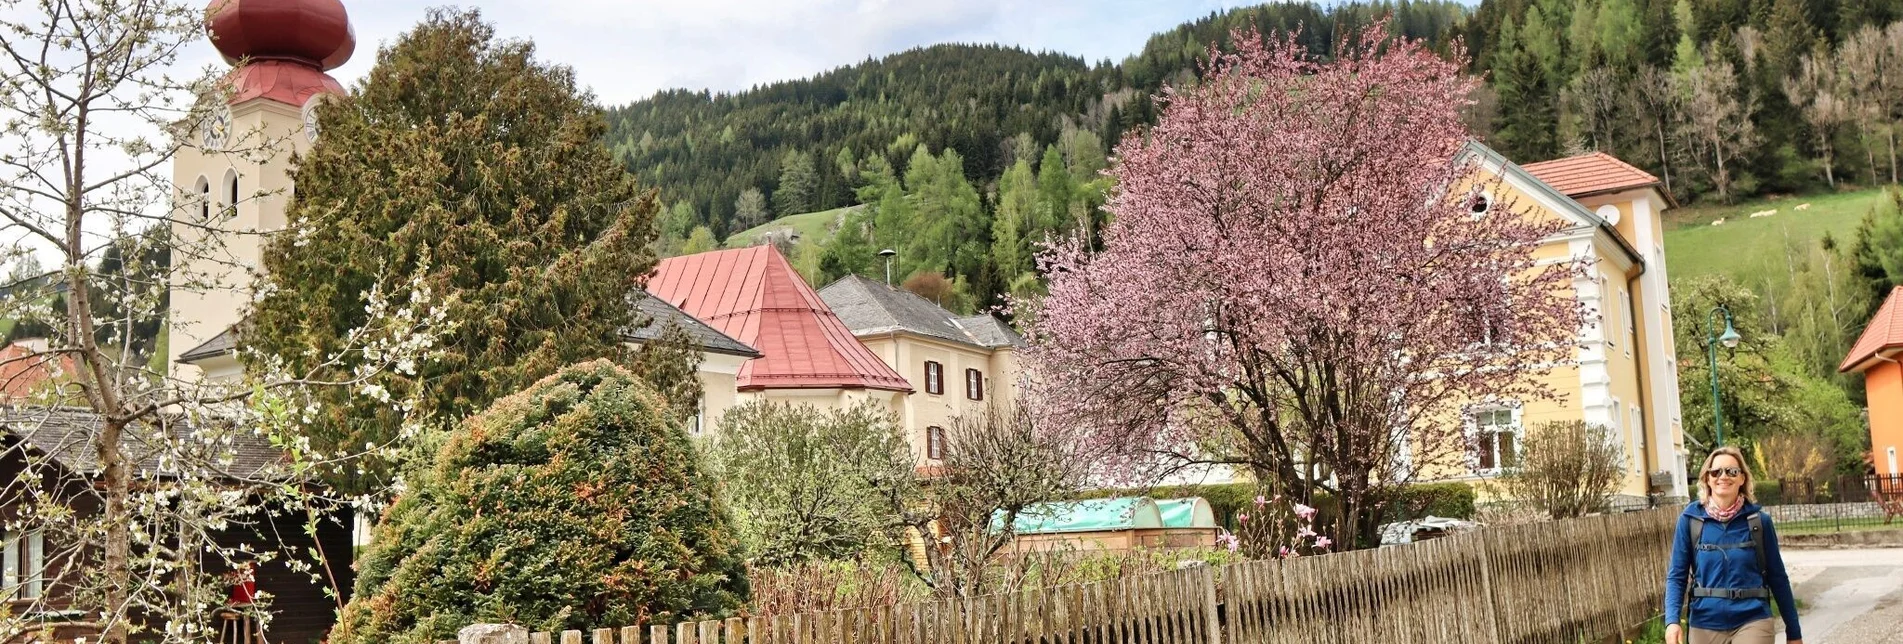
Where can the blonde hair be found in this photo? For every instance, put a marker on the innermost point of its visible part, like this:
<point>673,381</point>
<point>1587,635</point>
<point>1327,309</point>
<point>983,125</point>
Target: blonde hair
<point>1704,474</point>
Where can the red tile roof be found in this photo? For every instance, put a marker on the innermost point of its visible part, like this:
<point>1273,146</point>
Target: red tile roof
<point>753,295</point>
<point>1884,332</point>
<point>22,371</point>
<point>1590,174</point>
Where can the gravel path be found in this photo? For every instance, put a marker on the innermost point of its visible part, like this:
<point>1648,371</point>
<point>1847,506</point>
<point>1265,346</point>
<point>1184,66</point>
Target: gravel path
<point>1851,596</point>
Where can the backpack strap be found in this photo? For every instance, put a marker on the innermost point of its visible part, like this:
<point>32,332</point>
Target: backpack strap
<point>1691,567</point>
<point>1756,521</point>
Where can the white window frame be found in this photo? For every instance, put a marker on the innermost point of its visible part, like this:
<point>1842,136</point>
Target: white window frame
<point>934,378</point>
<point>1637,441</point>
<point>935,443</point>
<point>24,580</point>
<point>1605,312</point>
<point>974,384</point>
<point>1631,326</point>
<point>1516,427</point>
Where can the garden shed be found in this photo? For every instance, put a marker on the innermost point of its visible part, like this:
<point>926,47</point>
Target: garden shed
<point>1121,523</point>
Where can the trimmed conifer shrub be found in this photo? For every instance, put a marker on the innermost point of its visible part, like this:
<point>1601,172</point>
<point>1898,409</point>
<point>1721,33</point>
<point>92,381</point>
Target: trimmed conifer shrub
<point>573,504</point>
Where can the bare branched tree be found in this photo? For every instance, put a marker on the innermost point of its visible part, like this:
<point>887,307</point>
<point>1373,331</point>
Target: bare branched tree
<point>1566,468</point>
<point>129,492</point>
<point>996,468</point>
<point>1717,125</point>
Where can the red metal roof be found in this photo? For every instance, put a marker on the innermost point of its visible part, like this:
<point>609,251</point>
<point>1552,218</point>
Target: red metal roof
<point>1885,332</point>
<point>283,81</point>
<point>755,296</point>
<point>1590,174</point>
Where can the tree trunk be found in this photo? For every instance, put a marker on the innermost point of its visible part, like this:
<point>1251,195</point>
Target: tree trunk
<point>117,567</point>
<point>1863,136</point>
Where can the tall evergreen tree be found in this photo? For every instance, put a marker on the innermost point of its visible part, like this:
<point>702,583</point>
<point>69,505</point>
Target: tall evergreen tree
<point>799,184</point>
<point>1526,128</point>
<point>462,167</point>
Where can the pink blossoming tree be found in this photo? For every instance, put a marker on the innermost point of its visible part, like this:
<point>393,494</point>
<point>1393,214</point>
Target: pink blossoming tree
<point>1302,279</point>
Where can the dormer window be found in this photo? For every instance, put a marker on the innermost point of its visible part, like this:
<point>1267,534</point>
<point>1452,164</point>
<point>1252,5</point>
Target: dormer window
<point>974,384</point>
<point>934,378</point>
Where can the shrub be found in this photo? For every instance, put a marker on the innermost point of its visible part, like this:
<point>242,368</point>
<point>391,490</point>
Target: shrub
<point>1566,469</point>
<point>571,504</point>
<point>1451,500</point>
<point>805,484</point>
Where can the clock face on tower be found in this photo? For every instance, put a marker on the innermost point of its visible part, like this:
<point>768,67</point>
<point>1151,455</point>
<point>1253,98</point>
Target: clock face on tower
<point>216,131</point>
<point>311,130</point>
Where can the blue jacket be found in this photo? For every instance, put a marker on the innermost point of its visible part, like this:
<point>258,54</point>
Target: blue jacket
<point>1728,568</point>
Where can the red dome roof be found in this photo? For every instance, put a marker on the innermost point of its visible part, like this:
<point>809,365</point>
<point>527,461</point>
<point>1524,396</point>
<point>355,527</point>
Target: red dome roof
<point>313,32</point>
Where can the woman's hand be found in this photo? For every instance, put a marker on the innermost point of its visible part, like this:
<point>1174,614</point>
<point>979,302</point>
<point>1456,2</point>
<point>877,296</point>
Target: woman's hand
<point>1672,634</point>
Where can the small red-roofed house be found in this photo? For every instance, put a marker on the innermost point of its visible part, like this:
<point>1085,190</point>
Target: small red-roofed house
<point>806,354</point>
<point>1875,356</point>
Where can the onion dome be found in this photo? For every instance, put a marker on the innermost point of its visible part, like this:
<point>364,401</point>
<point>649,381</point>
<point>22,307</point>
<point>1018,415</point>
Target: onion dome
<point>285,46</point>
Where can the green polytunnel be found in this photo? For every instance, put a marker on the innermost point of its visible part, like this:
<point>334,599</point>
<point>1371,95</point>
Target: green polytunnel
<point>1193,512</point>
<point>1097,515</point>
<point>1106,515</point>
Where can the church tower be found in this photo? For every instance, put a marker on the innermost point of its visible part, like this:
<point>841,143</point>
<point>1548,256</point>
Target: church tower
<point>234,170</point>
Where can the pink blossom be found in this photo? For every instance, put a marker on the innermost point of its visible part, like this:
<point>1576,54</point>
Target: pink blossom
<point>1229,541</point>
<point>1288,274</point>
<point>1260,501</point>
<point>1305,512</point>
<point>1242,517</point>
<point>1305,532</point>
<point>1323,542</point>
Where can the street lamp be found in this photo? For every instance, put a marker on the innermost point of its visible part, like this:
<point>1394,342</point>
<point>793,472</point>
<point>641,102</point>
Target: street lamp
<point>1730,340</point>
<point>887,254</point>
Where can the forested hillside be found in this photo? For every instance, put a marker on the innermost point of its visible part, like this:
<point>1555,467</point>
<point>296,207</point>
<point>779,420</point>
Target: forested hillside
<point>728,162</point>
<point>1724,99</point>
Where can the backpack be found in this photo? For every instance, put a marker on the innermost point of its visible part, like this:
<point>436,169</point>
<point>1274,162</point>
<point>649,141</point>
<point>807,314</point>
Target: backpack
<point>1757,547</point>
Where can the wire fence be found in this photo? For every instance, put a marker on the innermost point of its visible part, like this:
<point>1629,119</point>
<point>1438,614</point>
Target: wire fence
<point>1813,505</point>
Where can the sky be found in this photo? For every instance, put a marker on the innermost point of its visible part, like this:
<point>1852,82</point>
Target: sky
<point>627,50</point>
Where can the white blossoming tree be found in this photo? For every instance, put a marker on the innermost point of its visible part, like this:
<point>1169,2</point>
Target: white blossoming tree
<point>121,485</point>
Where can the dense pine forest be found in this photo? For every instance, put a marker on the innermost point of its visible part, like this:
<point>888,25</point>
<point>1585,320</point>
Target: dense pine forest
<point>966,155</point>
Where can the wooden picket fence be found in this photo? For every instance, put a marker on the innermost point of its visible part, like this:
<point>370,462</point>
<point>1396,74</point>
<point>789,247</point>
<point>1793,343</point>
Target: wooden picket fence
<point>1584,580</point>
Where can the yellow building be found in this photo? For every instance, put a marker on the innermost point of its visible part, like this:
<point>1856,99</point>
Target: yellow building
<point>1624,377</point>
<point>956,365</point>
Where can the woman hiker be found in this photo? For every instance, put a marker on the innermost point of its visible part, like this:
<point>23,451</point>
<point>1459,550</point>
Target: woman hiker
<point>1728,550</point>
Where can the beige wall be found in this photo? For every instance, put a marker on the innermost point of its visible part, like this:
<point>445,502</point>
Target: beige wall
<point>211,290</point>
<point>907,353</point>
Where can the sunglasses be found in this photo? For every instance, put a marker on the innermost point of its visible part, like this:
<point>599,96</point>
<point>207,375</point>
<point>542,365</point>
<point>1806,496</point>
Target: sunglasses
<point>1725,471</point>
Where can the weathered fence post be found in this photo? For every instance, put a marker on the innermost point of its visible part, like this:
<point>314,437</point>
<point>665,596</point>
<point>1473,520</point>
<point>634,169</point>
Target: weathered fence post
<point>492,634</point>
<point>1213,635</point>
<point>1486,586</point>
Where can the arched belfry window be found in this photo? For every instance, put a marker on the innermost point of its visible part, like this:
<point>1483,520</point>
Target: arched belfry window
<point>231,193</point>
<point>203,192</point>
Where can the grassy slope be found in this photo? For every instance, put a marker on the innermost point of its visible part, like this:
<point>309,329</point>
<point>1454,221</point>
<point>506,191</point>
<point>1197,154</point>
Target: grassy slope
<point>1745,246</point>
<point>817,226</point>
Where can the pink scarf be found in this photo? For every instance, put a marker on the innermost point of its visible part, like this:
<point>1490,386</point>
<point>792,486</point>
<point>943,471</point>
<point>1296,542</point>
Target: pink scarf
<point>1722,515</point>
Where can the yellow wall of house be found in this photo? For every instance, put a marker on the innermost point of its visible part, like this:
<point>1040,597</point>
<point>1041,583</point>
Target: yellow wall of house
<point>907,354</point>
<point>1623,377</point>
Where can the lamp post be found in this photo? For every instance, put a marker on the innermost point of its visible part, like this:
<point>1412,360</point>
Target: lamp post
<point>887,254</point>
<point>1730,340</point>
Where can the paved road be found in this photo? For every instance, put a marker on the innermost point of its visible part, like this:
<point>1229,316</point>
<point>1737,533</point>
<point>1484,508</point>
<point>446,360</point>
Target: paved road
<point>1851,596</point>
